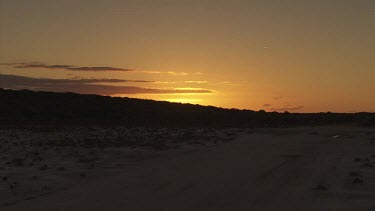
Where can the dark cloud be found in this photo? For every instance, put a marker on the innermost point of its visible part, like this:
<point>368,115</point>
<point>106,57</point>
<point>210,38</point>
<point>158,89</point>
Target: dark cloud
<point>63,67</point>
<point>295,108</point>
<point>266,105</point>
<point>7,79</point>
<point>98,69</point>
<point>83,86</point>
<point>30,65</point>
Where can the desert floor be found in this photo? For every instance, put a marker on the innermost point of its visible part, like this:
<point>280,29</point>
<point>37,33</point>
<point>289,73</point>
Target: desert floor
<point>307,168</point>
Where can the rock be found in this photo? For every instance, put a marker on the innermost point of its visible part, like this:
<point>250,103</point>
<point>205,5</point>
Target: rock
<point>43,167</point>
<point>354,174</point>
<point>357,181</point>
<point>320,187</point>
<point>357,159</point>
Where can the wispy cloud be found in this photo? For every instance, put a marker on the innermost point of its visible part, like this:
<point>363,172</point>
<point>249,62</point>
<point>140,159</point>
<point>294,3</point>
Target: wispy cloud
<point>84,86</point>
<point>40,65</point>
<point>266,105</point>
<point>104,80</point>
<point>197,82</point>
<point>293,108</point>
<point>63,67</point>
<point>164,82</point>
<point>6,79</point>
<point>161,72</point>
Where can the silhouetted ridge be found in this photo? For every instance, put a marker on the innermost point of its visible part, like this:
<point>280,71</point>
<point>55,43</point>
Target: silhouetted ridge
<point>29,107</point>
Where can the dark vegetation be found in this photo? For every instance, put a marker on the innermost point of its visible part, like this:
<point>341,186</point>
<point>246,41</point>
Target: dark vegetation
<point>26,107</point>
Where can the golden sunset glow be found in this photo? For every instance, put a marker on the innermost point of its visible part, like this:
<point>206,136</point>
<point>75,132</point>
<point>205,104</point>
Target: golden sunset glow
<point>301,56</point>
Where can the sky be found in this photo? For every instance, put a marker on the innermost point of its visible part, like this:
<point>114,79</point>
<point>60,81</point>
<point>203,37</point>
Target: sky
<point>274,55</point>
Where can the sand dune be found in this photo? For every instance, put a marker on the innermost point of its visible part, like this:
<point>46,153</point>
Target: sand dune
<point>321,168</point>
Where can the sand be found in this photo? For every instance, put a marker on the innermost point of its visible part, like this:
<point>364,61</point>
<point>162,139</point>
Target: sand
<point>318,168</point>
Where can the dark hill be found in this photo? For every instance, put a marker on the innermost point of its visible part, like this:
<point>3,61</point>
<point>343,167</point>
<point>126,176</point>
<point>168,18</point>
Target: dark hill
<point>29,107</point>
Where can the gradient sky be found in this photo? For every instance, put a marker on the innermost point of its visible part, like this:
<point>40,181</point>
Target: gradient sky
<point>295,55</point>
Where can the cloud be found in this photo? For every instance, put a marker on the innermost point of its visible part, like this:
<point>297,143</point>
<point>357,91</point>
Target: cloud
<point>7,79</point>
<point>164,82</point>
<point>25,65</point>
<point>160,72</point>
<point>63,67</point>
<point>102,80</point>
<point>197,82</point>
<point>83,86</point>
<point>296,108</point>
<point>266,105</point>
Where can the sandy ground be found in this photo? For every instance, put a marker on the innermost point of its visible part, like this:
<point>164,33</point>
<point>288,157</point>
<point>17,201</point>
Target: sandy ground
<point>320,168</point>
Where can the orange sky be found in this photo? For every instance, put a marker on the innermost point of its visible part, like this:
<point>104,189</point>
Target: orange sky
<point>295,55</point>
